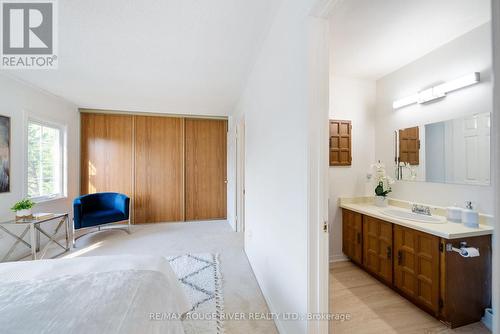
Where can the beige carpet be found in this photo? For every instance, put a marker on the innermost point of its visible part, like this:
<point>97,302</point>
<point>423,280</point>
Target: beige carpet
<point>240,288</point>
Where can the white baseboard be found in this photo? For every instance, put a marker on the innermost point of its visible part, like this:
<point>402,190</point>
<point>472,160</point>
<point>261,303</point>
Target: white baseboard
<point>338,258</point>
<point>277,321</point>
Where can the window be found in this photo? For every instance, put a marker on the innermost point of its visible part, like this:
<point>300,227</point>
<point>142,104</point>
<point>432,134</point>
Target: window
<point>45,179</point>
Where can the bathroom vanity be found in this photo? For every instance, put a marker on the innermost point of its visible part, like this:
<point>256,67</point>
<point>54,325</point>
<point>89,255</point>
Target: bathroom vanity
<point>417,260</point>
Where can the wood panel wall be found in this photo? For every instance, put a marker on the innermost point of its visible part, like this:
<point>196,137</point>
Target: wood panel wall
<point>173,168</point>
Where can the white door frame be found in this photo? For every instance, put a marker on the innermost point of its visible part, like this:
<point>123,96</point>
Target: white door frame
<point>240,175</point>
<point>496,158</point>
<point>318,241</point>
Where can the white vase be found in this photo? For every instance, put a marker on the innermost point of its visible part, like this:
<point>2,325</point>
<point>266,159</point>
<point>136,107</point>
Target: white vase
<point>381,201</point>
<point>23,213</point>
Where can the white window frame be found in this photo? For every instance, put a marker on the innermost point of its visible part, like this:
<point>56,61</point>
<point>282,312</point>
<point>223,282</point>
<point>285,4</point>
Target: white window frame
<point>63,166</point>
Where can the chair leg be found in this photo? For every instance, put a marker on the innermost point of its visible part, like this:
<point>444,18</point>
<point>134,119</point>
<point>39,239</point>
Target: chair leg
<point>73,243</point>
<point>128,226</point>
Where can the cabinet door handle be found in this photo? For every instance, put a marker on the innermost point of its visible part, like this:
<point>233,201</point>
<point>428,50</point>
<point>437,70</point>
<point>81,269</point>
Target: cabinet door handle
<point>389,252</point>
<point>359,237</point>
<point>400,257</point>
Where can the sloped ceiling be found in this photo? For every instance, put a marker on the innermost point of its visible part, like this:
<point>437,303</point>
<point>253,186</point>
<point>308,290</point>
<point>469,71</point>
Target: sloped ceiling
<point>172,56</point>
<point>371,39</point>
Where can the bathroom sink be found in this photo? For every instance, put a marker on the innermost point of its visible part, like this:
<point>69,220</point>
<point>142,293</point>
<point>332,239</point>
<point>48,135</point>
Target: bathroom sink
<point>413,216</point>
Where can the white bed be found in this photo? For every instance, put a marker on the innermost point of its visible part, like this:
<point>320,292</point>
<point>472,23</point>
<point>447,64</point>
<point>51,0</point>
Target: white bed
<point>102,294</point>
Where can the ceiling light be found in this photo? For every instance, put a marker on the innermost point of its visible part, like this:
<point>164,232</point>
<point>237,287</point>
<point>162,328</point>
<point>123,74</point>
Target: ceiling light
<point>439,91</point>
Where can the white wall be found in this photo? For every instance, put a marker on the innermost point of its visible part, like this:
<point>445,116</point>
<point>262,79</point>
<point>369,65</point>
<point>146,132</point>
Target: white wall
<point>351,99</point>
<point>18,101</point>
<point>275,105</point>
<point>469,53</point>
<point>231,172</point>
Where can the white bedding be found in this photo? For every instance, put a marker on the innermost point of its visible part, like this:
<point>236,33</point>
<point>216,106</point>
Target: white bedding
<point>106,294</point>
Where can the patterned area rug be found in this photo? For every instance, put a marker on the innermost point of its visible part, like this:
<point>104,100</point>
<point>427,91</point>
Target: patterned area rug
<point>201,280</point>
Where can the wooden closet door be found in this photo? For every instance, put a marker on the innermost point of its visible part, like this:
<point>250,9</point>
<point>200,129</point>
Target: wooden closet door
<point>159,169</point>
<point>106,153</point>
<point>205,159</point>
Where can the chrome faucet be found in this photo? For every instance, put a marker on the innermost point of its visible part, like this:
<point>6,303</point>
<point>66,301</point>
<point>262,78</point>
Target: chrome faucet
<point>421,209</point>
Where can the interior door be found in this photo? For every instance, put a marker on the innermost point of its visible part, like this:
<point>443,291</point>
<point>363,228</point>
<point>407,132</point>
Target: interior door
<point>416,266</point>
<point>473,149</point>
<point>106,150</point>
<point>206,169</point>
<point>159,169</point>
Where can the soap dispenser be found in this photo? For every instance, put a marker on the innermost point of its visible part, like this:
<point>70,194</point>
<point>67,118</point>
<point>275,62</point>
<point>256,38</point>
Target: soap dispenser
<point>470,217</point>
<point>454,214</point>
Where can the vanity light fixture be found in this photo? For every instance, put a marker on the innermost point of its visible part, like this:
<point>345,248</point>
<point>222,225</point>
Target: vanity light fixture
<point>438,91</point>
<point>462,82</point>
<point>406,101</point>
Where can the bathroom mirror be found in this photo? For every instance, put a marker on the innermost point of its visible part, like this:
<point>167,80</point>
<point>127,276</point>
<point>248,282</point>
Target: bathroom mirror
<point>455,151</point>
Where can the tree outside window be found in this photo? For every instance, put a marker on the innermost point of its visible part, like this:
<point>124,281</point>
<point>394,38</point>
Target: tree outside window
<point>45,161</point>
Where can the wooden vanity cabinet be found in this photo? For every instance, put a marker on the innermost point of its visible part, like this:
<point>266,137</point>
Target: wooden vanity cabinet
<point>352,235</point>
<point>416,267</point>
<point>377,248</point>
<point>465,282</point>
<point>454,289</point>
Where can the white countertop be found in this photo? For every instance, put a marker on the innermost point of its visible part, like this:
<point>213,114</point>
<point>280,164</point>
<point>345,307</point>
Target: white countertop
<point>446,230</point>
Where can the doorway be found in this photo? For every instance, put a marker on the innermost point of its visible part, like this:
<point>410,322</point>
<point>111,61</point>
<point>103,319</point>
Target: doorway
<point>368,93</point>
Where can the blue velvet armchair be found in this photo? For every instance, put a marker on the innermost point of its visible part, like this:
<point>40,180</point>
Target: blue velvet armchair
<point>99,209</point>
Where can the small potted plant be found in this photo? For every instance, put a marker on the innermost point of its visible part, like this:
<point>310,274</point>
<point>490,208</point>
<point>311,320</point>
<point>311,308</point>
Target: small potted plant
<point>23,208</point>
<point>383,185</point>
